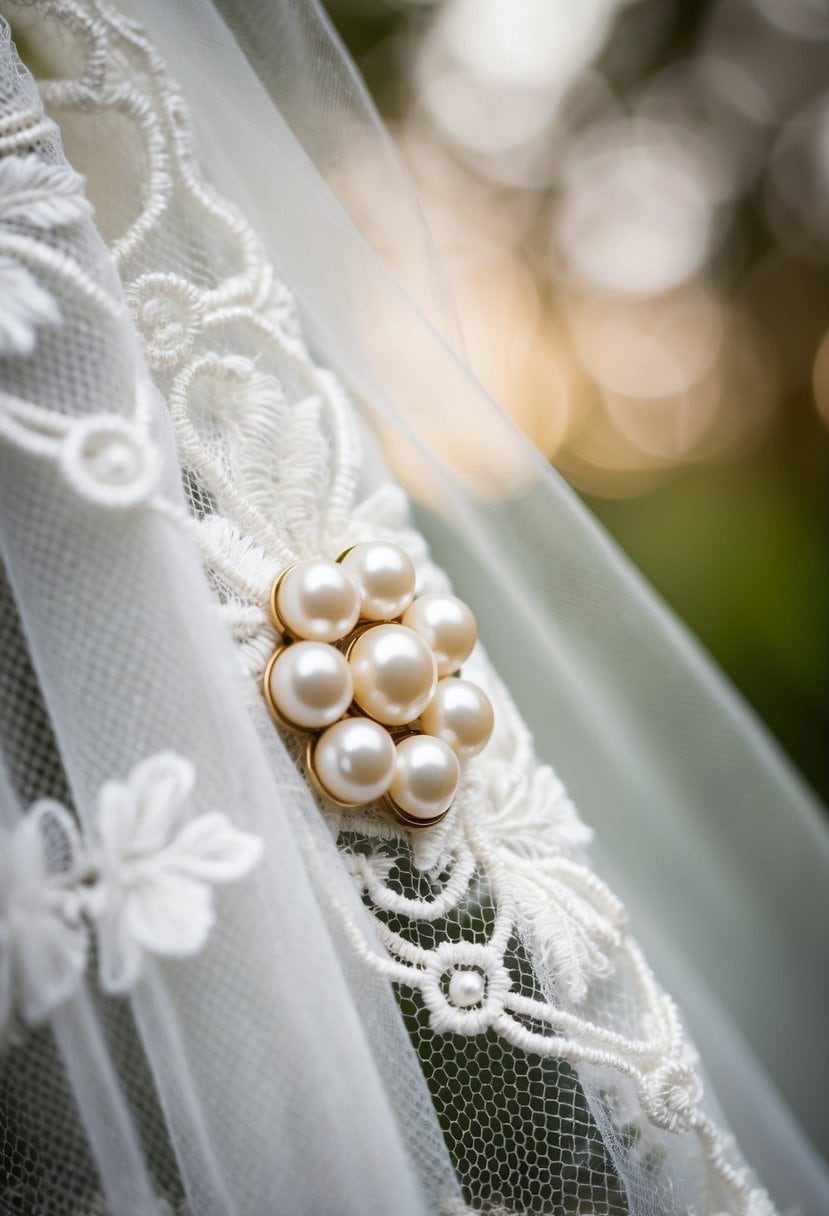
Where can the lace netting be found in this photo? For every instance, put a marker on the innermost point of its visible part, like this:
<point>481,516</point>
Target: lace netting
<point>568,1086</point>
<point>518,1125</point>
<point>45,1165</point>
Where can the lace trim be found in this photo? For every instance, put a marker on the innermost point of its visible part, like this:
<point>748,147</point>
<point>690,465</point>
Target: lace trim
<point>274,481</point>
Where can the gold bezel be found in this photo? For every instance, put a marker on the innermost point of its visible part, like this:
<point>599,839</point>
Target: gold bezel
<point>278,623</point>
<point>410,821</point>
<point>347,644</point>
<point>278,718</point>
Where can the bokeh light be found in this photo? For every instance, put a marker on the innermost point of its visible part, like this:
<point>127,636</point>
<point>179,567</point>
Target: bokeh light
<point>631,200</point>
<point>651,226</point>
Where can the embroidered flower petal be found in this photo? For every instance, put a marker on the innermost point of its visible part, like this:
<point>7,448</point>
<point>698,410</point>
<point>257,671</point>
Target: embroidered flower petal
<point>169,914</point>
<point>40,195</point>
<point>157,865</point>
<point>24,307</point>
<point>139,816</point>
<point>45,947</point>
<point>49,958</point>
<point>27,872</point>
<point>119,954</point>
<point>210,848</point>
<point>47,849</point>
<point>163,784</point>
<point>529,814</point>
<point>115,824</point>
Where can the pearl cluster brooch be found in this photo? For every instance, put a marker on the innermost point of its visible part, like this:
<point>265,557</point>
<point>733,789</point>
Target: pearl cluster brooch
<point>370,674</point>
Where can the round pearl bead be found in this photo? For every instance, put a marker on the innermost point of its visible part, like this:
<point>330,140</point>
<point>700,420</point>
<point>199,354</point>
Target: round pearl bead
<point>394,673</point>
<point>425,778</point>
<point>116,463</point>
<point>109,460</point>
<point>310,685</point>
<point>460,713</point>
<point>385,576</point>
<point>318,600</point>
<point>354,761</point>
<point>447,624</point>
<point>466,988</point>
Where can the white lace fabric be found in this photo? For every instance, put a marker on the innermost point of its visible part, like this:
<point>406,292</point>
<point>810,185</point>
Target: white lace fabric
<point>569,1085</point>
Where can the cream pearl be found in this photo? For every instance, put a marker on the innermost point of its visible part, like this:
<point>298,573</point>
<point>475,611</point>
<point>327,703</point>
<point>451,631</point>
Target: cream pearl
<point>460,713</point>
<point>394,673</point>
<point>385,576</point>
<point>116,463</point>
<point>354,761</point>
<point>318,600</point>
<point>447,624</point>
<point>466,988</point>
<point>310,685</point>
<point>425,778</point>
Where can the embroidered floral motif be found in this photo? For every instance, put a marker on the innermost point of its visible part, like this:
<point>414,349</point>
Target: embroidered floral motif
<point>43,941</point>
<point>24,308</point>
<point>33,195</point>
<point>38,195</point>
<point>110,461</point>
<point>453,959</point>
<point>531,814</point>
<point>759,1204</point>
<point>675,1091</point>
<point>143,876</point>
<point>157,867</point>
<point>169,313</point>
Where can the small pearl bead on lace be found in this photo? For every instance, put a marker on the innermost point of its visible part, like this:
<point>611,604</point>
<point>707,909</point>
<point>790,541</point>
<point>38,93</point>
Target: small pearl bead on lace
<point>110,461</point>
<point>466,988</point>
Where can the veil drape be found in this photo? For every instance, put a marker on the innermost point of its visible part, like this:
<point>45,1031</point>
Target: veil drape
<point>717,848</point>
<point>256,1070</point>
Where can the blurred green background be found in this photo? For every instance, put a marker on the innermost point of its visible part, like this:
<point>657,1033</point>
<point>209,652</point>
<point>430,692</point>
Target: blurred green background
<point>632,202</point>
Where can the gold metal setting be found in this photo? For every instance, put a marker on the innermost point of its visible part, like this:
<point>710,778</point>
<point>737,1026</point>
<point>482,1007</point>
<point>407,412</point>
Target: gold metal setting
<point>349,641</point>
<point>278,717</point>
<point>278,623</point>
<point>409,820</point>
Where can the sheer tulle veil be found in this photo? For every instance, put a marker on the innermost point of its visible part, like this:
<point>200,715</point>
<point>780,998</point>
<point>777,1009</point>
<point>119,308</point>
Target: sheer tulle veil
<point>702,827</point>
<point>658,750</point>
